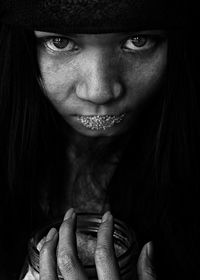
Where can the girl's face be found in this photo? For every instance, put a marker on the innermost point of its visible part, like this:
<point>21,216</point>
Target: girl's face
<point>97,82</point>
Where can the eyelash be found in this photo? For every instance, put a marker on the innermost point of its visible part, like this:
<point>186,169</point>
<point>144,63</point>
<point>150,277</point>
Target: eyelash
<point>45,41</point>
<point>150,40</point>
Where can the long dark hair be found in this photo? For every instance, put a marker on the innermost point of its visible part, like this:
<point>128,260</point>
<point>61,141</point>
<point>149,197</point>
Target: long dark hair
<point>31,141</point>
<point>29,144</point>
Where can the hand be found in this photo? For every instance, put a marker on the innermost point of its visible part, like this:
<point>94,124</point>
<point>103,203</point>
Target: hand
<point>144,266</point>
<point>67,256</point>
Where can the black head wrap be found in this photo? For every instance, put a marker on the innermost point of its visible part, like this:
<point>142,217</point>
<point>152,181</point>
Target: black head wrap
<point>94,16</point>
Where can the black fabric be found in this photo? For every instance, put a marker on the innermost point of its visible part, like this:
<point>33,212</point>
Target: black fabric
<point>168,219</point>
<point>96,16</point>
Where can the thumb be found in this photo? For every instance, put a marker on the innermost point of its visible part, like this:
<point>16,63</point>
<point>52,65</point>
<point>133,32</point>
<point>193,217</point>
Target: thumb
<point>144,266</point>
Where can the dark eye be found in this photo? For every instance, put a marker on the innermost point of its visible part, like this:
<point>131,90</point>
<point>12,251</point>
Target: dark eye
<point>60,44</point>
<point>139,42</point>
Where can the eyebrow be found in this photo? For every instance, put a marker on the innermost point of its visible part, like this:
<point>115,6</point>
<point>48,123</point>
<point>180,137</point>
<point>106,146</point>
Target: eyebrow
<point>41,34</point>
<point>45,34</point>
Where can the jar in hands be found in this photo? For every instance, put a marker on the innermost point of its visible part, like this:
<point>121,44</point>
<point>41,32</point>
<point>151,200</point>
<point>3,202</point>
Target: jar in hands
<point>125,245</point>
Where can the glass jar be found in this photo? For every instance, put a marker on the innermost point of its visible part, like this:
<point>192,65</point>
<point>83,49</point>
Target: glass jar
<point>125,244</point>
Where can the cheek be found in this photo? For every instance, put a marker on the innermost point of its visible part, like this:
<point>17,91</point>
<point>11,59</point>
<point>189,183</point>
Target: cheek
<point>58,82</point>
<point>146,77</point>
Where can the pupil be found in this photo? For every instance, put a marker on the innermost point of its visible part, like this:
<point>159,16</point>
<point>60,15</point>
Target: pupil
<point>60,43</point>
<point>139,41</point>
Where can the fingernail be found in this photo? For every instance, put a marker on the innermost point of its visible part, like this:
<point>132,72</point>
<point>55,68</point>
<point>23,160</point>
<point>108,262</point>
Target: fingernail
<point>51,234</point>
<point>106,217</point>
<point>150,250</point>
<point>69,214</point>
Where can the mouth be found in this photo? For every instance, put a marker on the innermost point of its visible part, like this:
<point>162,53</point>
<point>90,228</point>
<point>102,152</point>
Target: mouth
<point>100,122</point>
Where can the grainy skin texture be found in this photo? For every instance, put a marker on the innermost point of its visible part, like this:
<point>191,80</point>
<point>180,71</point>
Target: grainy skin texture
<point>86,245</point>
<point>63,252</point>
<point>100,74</point>
<point>97,75</point>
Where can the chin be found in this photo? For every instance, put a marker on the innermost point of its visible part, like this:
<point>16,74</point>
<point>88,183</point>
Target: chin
<point>110,132</point>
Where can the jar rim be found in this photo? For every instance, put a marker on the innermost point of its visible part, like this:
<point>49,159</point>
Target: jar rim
<point>119,227</point>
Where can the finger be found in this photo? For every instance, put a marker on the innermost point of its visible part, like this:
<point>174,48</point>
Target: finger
<point>105,259</point>
<point>48,257</point>
<point>145,266</point>
<point>67,256</point>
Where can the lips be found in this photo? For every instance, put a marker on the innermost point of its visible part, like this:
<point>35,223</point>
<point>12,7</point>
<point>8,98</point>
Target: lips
<point>100,122</point>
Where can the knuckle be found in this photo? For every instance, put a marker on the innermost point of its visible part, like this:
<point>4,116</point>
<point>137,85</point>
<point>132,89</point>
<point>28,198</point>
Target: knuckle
<point>66,261</point>
<point>43,277</point>
<point>102,253</point>
<point>45,249</point>
<point>104,230</point>
<point>105,226</point>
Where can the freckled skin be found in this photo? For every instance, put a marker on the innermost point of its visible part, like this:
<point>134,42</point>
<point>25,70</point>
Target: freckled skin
<point>101,78</point>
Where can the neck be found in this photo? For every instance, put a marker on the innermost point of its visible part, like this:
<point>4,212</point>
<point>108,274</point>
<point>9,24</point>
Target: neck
<point>95,149</point>
<point>92,162</point>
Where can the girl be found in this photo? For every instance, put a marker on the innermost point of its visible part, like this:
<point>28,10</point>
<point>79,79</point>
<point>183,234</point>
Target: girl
<point>98,113</point>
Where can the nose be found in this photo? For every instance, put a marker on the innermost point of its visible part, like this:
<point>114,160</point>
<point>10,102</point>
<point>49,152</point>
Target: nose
<point>100,82</point>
